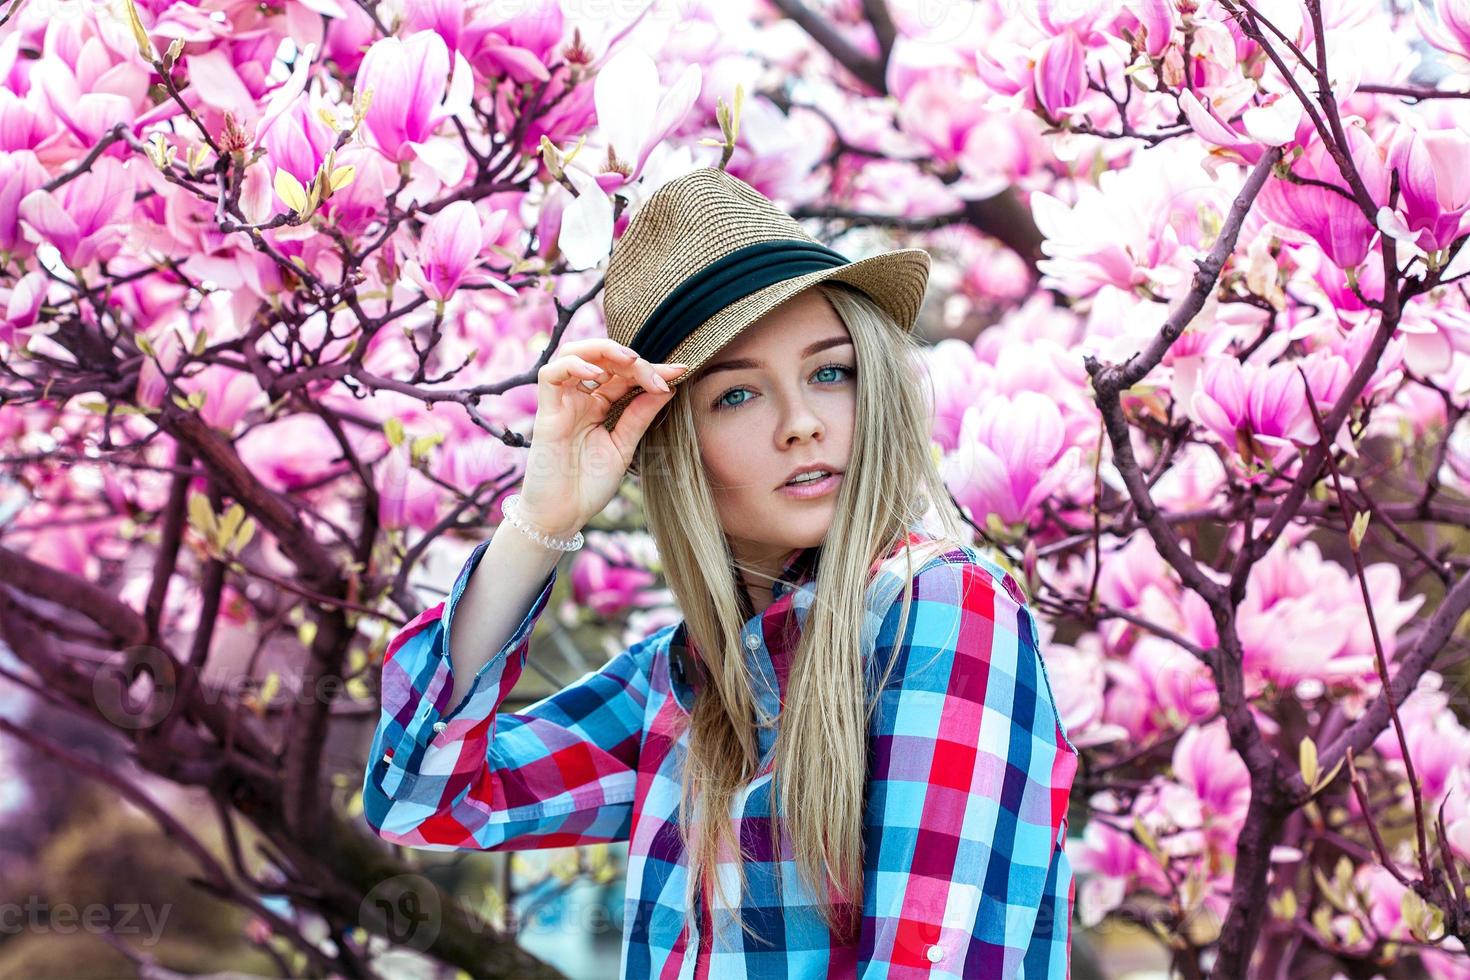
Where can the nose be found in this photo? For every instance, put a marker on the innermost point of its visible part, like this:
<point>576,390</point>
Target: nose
<point>800,422</point>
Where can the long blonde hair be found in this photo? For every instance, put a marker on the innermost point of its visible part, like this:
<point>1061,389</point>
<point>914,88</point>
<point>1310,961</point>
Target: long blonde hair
<point>820,765</point>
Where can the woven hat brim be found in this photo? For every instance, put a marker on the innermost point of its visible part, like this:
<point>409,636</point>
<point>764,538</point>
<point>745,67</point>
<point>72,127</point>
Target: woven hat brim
<point>896,281</point>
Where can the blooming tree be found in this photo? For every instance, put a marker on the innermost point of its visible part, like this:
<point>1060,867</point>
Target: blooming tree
<point>276,281</point>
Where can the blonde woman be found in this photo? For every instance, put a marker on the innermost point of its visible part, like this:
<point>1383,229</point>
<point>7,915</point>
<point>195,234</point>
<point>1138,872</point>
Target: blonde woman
<point>845,759</point>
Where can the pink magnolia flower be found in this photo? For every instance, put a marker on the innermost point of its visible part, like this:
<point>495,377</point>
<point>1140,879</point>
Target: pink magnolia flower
<point>633,119</point>
<point>450,247</point>
<point>444,17</point>
<point>89,84</point>
<point>1383,893</point>
<point>1439,745</point>
<point>1264,411</point>
<point>610,585</point>
<point>1111,865</point>
<point>1159,19</point>
<point>20,307</point>
<point>1434,185</point>
<point>1181,689</point>
<point>952,376</point>
<point>413,93</point>
<point>24,122</point>
<point>1273,119</point>
<point>86,218</point>
<point>1452,32</point>
<point>1142,225</point>
<point>359,204</point>
<point>1061,78</point>
<point>350,36</point>
<point>1078,678</point>
<point>1012,455</point>
<point>632,116</point>
<point>517,47</point>
<point>1303,619</point>
<point>287,455</point>
<point>20,173</point>
<point>406,498</point>
<point>228,395</point>
<point>1206,764</point>
<point>1331,219</point>
<point>297,140</point>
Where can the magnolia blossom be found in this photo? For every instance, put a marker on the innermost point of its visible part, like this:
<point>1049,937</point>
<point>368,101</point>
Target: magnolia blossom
<point>1061,73</point>
<point>1078,676</point>
<point>1434,184</point>
<point>518,47</point>
<point>89,85</point>
<point>609,587</point>
<point>406,498</point>
<point>228,395</point>
<point>1438,744</point>
<point>413,94</point>
<point>952,374</point>
<point>1330,218</point>
<point>632,128</point>
<point>86,218</point>
<point>20,173</point>
<point>20,306</point>
<point>449,248</point>
<point>297,140</point>
<point>1158,19</point>
<point>1274,119</point>
<point>1452,31</point>
<point>1302,619</point>
<point>286,454</point>
<point>1011,457</point>
<point>1264,411</point>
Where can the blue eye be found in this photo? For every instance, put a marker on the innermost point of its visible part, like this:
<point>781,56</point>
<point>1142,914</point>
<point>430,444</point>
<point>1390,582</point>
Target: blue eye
<point>844,372</point>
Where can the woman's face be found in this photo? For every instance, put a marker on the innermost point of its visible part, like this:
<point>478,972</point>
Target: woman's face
<point>781,396</point>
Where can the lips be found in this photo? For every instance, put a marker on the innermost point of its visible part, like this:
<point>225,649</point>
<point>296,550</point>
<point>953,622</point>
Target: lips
<point>813,468</point>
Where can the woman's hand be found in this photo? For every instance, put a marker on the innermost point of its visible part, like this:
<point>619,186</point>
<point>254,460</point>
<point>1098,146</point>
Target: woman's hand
<point>575,465</point>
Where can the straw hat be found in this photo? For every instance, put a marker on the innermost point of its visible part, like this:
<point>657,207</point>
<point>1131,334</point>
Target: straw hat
<point>707,255</point>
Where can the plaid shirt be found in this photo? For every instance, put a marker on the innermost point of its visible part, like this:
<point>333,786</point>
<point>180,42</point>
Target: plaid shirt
<point>965,821</point>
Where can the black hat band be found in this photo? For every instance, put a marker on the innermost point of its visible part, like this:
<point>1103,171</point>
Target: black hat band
<point>727,280</point>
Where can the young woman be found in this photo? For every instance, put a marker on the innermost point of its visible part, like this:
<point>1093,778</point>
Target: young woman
<point>845,760</point>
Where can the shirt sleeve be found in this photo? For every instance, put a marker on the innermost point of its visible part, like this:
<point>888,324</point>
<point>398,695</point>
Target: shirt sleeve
<point>966,875</point>
<point>561,772</point>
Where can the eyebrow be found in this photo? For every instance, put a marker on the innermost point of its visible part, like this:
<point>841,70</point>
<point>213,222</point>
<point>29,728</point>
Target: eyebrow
<point>744,362</point>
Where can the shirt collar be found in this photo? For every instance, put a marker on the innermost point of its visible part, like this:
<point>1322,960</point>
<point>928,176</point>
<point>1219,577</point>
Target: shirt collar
<point>800,568</point>
<point>797,572</point>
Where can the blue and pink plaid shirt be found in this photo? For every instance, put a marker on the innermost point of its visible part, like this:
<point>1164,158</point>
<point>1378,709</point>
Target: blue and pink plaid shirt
<point>966,814</point>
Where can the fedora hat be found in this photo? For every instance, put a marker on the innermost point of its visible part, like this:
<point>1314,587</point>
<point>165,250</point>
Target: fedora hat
<point>706,255</point>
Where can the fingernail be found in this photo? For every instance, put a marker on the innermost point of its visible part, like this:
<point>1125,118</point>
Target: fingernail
<point>661,383</point>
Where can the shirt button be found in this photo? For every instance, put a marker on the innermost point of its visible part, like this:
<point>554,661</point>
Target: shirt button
<point>752,641</point>
<point>935,954</point>
<point>439,726</point>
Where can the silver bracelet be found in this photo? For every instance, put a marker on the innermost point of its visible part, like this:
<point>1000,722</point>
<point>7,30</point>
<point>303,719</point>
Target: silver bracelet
<point>510,508</point>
